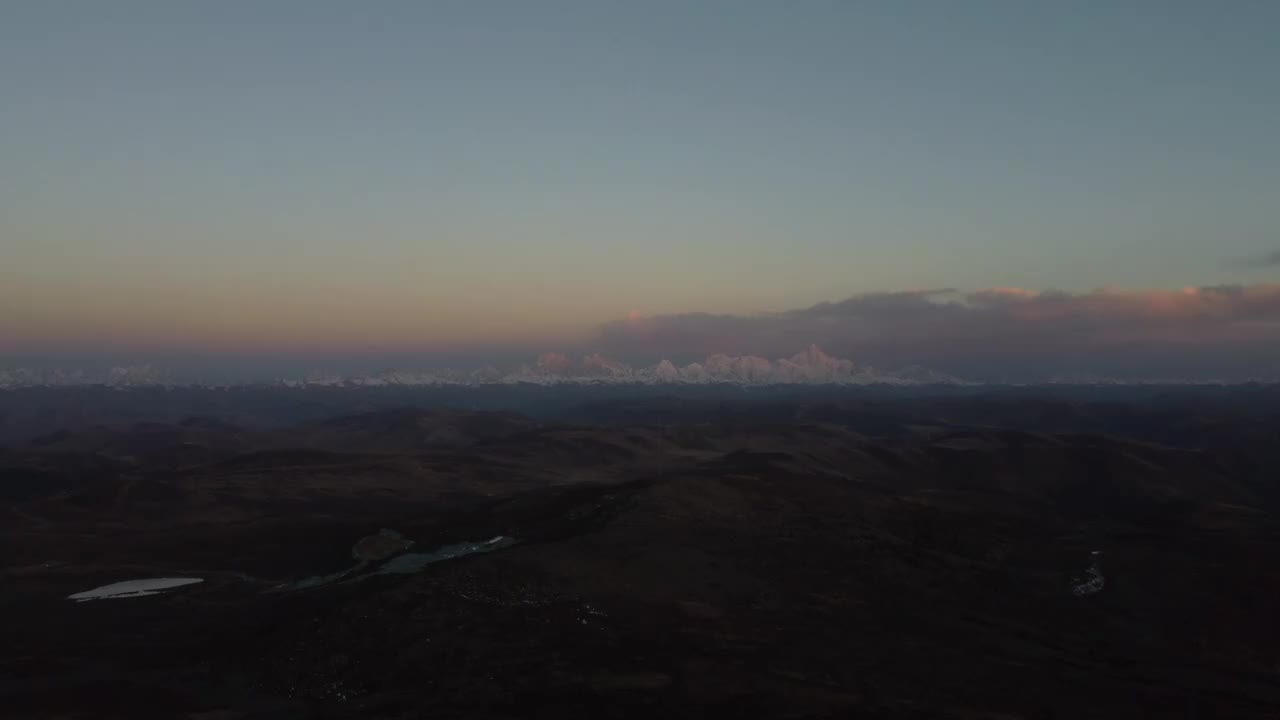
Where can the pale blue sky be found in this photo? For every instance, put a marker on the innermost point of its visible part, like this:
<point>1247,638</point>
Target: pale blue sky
<point>448,174</point>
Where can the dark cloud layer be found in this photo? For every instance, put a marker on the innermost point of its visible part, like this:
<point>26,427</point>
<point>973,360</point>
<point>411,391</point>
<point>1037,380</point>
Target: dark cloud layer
<point>1228,332</point>
<point>1255,262</point>
<point>1268,260</point>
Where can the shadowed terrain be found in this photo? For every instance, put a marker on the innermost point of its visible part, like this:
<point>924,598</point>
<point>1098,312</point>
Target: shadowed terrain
<point>1004,554</point>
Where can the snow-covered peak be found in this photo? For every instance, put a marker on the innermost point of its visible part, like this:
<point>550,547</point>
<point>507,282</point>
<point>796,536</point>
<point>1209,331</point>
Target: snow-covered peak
<point>665,372</point>
<point>598,365</point>
<point>553,364</point>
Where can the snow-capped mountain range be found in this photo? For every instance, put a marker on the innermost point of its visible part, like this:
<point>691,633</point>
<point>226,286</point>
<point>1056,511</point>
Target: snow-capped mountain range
<point>812,366</point>
<point>121,377</point>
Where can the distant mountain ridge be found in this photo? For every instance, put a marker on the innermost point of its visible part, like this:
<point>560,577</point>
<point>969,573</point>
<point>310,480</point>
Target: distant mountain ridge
<point>130,376</point>
<point>813,366</point>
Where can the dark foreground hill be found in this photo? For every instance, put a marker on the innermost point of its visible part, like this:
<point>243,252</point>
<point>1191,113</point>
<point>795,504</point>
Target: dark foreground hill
<point>819,560</point>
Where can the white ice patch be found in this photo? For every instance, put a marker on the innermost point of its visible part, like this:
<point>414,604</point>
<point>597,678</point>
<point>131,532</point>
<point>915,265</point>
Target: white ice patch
<point>133,588</point>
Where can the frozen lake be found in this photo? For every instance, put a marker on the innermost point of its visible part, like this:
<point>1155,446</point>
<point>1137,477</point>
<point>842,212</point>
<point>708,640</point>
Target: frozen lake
<point>413,562</point>
<point>133,588</point>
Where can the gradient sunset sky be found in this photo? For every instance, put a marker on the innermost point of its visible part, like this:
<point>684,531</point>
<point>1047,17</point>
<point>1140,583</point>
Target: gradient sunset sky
<point>348,179</point>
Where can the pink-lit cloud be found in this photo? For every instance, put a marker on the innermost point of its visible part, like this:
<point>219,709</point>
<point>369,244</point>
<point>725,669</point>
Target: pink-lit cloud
<point>999,332</point>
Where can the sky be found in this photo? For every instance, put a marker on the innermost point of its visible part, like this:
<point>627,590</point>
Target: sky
<point>393,179</point>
